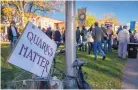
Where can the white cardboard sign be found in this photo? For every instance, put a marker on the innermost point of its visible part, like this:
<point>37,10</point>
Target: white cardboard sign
<point>34,51</point>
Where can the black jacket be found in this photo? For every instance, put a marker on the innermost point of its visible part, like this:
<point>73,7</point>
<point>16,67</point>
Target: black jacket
<point>78,33</point>
<point>49,33</point>
<point>57,36</point>
<point>10,34</point>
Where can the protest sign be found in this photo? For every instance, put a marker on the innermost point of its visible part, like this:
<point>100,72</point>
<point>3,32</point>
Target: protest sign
<point>34,51</point>
<point>132,25</point>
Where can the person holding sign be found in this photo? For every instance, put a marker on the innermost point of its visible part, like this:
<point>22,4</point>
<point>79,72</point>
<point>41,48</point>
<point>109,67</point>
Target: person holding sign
<point>13,34</point>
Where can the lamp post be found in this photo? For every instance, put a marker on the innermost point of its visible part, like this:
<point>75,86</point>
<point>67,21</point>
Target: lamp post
<point>70,42</point>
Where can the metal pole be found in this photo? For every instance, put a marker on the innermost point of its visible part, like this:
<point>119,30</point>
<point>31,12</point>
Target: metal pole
<point>70,41</point>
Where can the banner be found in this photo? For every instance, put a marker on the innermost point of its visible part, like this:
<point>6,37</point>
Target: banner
<point>81,17</point>
<point>34,51</point>
<point>132,25</point>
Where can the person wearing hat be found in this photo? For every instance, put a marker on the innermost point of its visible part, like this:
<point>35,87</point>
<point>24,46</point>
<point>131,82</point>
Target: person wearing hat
<point>123,38</point>
<point>13,34</point>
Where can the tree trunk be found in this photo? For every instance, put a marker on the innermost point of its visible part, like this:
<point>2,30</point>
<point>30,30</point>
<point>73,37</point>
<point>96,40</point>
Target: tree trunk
<point>22,13</point>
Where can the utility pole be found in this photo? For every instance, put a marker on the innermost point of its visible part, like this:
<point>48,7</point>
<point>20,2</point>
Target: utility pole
<point>70,36</point>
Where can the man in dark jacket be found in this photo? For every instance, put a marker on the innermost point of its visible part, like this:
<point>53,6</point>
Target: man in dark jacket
<point>64,37</point>
<point>77,35</point>
<point>119,29</point>
<point>57,37</point>
<point>84,38</point>
<point>104,38</point>
<point>13,34</point>
<point>49,32</point>
<point>109,40</point>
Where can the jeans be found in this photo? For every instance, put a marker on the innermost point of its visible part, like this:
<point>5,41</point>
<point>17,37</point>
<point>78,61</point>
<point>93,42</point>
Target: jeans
<point>105,45</point>
<point>109,42</point>
<point>77,40</point>
<point>97,46</point>
<point>90,45</point>
<point>13,42</point>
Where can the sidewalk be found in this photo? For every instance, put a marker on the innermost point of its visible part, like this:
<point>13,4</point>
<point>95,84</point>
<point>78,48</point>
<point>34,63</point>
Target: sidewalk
<point>130,74</point>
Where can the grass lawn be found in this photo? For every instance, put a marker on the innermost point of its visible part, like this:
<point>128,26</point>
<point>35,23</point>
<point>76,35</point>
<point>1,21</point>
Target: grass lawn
<point>101,74</point>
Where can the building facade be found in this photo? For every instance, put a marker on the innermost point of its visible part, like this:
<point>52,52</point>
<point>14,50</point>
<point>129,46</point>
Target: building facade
<point>45,22</point>
<point>40,21</point>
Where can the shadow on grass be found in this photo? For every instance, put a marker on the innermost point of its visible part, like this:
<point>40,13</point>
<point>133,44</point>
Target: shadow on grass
<point>110,67</point>
<point>6,76</point>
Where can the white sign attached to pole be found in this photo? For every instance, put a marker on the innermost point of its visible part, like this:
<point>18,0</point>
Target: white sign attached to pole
<point>34,51</point>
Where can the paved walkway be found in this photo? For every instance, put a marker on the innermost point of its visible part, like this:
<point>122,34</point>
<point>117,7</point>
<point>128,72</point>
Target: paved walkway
<point>130,77</point>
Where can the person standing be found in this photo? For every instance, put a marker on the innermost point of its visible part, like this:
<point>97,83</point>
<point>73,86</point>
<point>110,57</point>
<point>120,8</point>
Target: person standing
<point>49,33</point>
<point>84,38</point>
<point>97,35</point>
<point>64,37</point>
<point>132,39</point>
<point>57,37</point>
<point>77,35</point>
<point>109,39</point>
<point>104,38</point>
<point>43,29</point>
<point>39,27</point>
<point>90,39</point>
<point>13,34</point>
<point>136,36</point>
<point>124,38</point>
<point>119,29</point>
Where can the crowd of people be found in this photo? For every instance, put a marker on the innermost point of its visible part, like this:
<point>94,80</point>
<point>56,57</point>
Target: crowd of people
<point>56,35</point>
<point>103,39</point>
<point>96,39</point>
